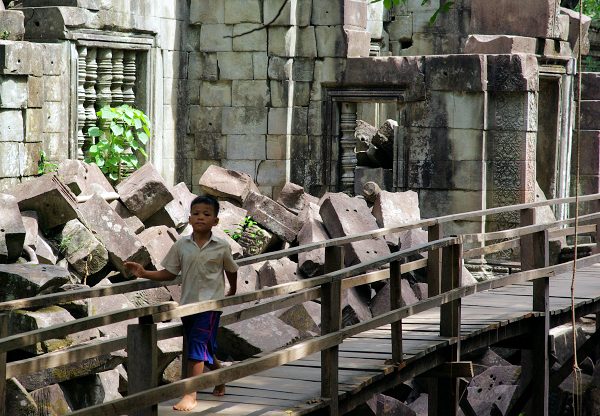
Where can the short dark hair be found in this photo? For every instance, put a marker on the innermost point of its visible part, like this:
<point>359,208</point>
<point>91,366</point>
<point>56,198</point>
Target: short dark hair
<point>208,200</point>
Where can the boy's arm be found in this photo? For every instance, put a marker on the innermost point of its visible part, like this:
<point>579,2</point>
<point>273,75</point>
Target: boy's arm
<point>232,279</point>
<point>158,275</point>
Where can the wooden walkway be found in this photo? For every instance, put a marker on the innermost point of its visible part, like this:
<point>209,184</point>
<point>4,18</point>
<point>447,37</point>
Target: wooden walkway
<point>294,389</point>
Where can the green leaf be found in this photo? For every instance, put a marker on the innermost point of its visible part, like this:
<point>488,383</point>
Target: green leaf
<point>113,175</point>
<point>116,129</point>
<point>107,113</point>
<point>94,132</point>
<point>99,161</point>
<point>142,137</point>
<point>137,123</point>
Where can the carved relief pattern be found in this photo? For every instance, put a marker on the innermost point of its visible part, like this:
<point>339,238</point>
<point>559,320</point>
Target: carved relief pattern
<point>129,77</point>
<point>81,62</point>
<point>117,77</point>
<point>347,144</point>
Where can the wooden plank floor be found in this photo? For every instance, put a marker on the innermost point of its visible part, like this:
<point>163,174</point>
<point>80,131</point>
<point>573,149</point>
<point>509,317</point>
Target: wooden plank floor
<point>294,389</point>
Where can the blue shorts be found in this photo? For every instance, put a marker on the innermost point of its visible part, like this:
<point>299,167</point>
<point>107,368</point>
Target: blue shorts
<point>201,333</point>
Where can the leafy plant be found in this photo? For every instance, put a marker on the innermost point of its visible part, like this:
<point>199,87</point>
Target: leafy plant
<point>246,224</point>
<point>121,137</point>
<point>4,34</point>
<point>44,166</point>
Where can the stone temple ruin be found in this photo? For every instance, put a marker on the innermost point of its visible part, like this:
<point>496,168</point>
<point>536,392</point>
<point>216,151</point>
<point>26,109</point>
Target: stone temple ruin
<point>331,99</point>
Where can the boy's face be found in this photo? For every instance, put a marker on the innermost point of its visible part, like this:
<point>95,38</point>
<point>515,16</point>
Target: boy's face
<point>203,217</point>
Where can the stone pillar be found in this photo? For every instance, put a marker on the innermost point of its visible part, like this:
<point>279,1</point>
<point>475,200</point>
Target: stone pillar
<point>347,144</point>
<point>103,86</point>
<point>116,90</point>
<point>91,68</point>
<point>129,77</point>
<point>81,77</point>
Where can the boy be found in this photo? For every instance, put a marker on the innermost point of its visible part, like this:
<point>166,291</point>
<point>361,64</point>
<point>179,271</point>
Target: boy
<point>201,258</point>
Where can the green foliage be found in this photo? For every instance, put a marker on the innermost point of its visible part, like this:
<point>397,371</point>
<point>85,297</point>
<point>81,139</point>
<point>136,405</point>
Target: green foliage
<point>388,4</point>
<point>590,64</point>
<point>4,34</point>
<point>246,224</point>
<point>44,166</point>
<point>591,8</point>
<point>122,136</point>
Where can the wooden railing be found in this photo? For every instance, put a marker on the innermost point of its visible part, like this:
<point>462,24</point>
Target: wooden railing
<point>444,268</point>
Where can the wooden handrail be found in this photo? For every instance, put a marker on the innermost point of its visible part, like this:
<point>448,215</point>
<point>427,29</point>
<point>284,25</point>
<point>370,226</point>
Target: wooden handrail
<point>305,348</point>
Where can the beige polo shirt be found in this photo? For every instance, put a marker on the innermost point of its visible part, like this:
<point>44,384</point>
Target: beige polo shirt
<point>201,268</point>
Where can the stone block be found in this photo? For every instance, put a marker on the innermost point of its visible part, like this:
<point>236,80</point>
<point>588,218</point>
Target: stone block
<point>249,93</point>
<point>158,242</point>
<point>49,197</point>
<point>205,119</point>
<point>244,120</point>
<point>82,250</point>
<point>553,48</point>
<point>500,44</point>
<point>280,68</point>
<point>513,111</point>
<point>393,209</point>
<point>331,41</point>
<point>302,17</point>
<point>175,64</point>
<point>210,146</point>
<point>327,14</point>
<point>215,93</point>
<point>512,73</point>
<point>54,399</point>
<point>235,65</point>
<point>446,143</point>
<point>112,231</point>
<point>280,93</point>
<point>55,115</point>
<point>12,229</point>
<point>272,216</point>
<point>590,86</point>
<point>359,43</point>
<point>10,156</point>
<point>355,14</point>
<point>456,73</point>
<point>354,307</point>
<point>34,124</point>
<point>260,64</point>
<point>271,172</point>
<point>11,126</point>
<point>292,42</point>
<point>29,158</point>
<point>144,192</point>
<point>225,183</point>
<point>573,36</point>
<point>457,175</point>
<point>203,66</point>
<point>35,93</point>
<point>16,58</point>
<point>246,147</point>
<point>401,28</point>
<point>434,202</point>
<point>132,222</point>
<point>447,109</point>
<point>305,317</point>
<point>276,147</point>
<point>381,301</point>
<point>13,92</point>
<point>343,215</point>
<point>174,214</point>
<point>247,167</point>
<point>13,24</point>
<point>216,37</point>
<point>242,11</point>
<point>590,114</point>
<point>30,221</point>
<point>54,58</point>
<point>207,11</point>
<point>54,88</point>
<point>507,17</point>
<point>312,263</point>
<point>27,280</point>
<point>380,176</point>
<point>248,37</point>
<point>83,178</point>
<point>294,198</point>
<point>277,272</point>
<point>279,123</point>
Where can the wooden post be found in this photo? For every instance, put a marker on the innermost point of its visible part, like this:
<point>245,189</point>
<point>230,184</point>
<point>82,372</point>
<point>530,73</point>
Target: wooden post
<point>395,303</point>
<point>3,334</point>
<point>142,360</point>
<point>535,254</point>
<point>434,262</point>
<point>596,249</point>
<point>331,321</point>
<point>445,398</point>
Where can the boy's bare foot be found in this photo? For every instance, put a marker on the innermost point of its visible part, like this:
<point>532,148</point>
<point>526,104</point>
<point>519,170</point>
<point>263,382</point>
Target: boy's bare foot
<point>219,390</point>
<point>187,403</point>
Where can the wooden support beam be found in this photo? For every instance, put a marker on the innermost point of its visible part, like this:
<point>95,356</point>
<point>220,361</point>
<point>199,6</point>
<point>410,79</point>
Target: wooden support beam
<point>534,255</point>
<point>454,369</point>
<point>142,362</point>
<point>395,303</point>
<point>3,333</point>
<point>331,321</point>
<point>434,262</point>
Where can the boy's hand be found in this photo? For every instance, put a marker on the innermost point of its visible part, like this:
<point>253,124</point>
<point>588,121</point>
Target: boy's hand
<point>134,268</point>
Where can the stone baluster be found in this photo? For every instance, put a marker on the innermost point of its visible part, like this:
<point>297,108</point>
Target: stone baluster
<point>91,76</point>
<point>103,92</point>
<point>117,77</point>
<point>347,143</point>
<point>81,77</point>
<point>129,72</point>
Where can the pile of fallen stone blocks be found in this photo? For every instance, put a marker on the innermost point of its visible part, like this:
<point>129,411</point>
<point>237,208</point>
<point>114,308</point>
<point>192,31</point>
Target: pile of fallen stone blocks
<point>72,229</point>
